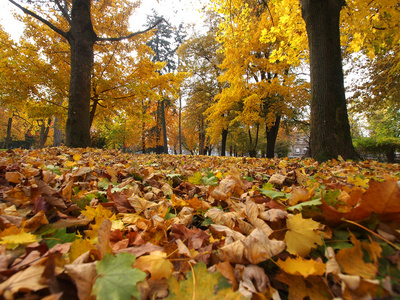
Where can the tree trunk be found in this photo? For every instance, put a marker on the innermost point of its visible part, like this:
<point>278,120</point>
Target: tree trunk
<point>164,127</point>
<point>57,134</point>
<point>44,132</point>
<point>81,38</point>
<point>330,129</point>
<point>271,134</point>
<point>201,137</point>
<point>223,142</point>
<point>253,146</point>
<point>8,137</point>
<point>180,123</point>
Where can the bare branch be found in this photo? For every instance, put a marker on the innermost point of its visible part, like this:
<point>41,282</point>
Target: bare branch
<point>63,10</point>
<point>130,35</point>
<point>54,28</point>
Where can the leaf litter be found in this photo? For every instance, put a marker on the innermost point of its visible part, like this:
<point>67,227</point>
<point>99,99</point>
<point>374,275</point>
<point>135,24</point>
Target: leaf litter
<point>88,223</point>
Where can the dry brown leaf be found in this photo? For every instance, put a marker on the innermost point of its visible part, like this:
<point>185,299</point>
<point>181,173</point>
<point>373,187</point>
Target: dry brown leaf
<point>254,280</point>
<point>28,279</point>
<point>83,275</point>
<point>220,217</point>
<point>226,270</point>
<point>357,288</point>
<point>273,215</point>
<point>259,248</point>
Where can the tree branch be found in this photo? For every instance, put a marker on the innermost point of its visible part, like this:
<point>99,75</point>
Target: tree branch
<point>63,11</point>
<point>130,35</point>
<point>28,12</point>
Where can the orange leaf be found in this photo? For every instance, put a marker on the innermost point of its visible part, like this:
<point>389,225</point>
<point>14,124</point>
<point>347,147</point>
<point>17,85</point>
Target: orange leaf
<point>352,261</point>
<point>156,263</point>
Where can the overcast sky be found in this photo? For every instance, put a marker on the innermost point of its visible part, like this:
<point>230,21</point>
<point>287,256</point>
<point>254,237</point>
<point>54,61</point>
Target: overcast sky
<point>176,11</point>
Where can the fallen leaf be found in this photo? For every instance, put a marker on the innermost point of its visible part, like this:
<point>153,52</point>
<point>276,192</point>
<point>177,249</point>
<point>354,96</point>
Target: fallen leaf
<point>351,260</point>
<point>302,235</point>
<point>28,279</point>
<point>157,264</point>
<point>83,276</point>
<point>313,287</point>
<point>202,285</point>
<point>116,279</point>
<point>301,266</point>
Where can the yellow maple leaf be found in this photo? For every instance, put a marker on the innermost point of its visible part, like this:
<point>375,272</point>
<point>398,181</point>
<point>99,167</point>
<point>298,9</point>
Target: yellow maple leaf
<point>156,263</point>
<point>78,247</point>
<point>99,211</point>
<point>76,157</point>
<point>302,235</point>
<point>14,240</point>
<point>301,266</point>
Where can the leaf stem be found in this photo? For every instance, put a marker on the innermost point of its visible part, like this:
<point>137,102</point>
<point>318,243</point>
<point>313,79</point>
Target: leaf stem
<point>372,232</point>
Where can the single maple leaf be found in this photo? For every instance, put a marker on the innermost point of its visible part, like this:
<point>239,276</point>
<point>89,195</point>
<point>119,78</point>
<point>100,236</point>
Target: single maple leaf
<point>157,264</point>
<point>302,235</point>
<point>14,240</point>
<point>351,260</point>
<point>116,279</point>
<point>202,285</point>
<point>301,266</point>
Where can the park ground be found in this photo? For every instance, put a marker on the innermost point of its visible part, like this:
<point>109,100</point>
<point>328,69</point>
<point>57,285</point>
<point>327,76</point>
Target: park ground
<point>87,222</point>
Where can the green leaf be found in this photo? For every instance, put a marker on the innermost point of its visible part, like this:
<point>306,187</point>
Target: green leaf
<point>274,194</point>
<point>213,180</point>
<point>300,206</point>
<point>116,279</point>
<point>60,236</point>
<point>207,222</point>
<point>103,183</point>
<point>196,178</point>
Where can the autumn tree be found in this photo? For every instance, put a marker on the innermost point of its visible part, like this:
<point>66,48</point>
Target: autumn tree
<point>81,34</point>
<point>199,57</point>
<point>260,91</point>
<point>164,44</point>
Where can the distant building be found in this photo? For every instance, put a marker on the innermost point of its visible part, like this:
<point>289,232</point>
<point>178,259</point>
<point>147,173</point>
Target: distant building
<point>299,146</point>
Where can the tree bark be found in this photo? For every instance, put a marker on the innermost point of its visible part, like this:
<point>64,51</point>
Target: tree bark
<point>224,136</point>
<point>8,136</point>
<point>44,132</point>
<point>330,129</point>
<point>57,134</point>
<point>164,127</point>
<point>81,38</point>
<point>272,133</point>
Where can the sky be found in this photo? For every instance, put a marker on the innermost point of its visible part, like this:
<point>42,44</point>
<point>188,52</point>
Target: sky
<point>175,11</point>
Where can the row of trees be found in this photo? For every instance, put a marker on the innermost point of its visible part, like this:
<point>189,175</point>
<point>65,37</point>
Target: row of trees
<point>244,77</point>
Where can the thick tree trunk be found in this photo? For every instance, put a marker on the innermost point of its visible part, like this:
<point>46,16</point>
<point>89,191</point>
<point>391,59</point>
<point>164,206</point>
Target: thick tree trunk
<point>272,133</point>
<point>224,136</point>
<point>330,129</point>
<point>8,136</point>
<point>81,38</point>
